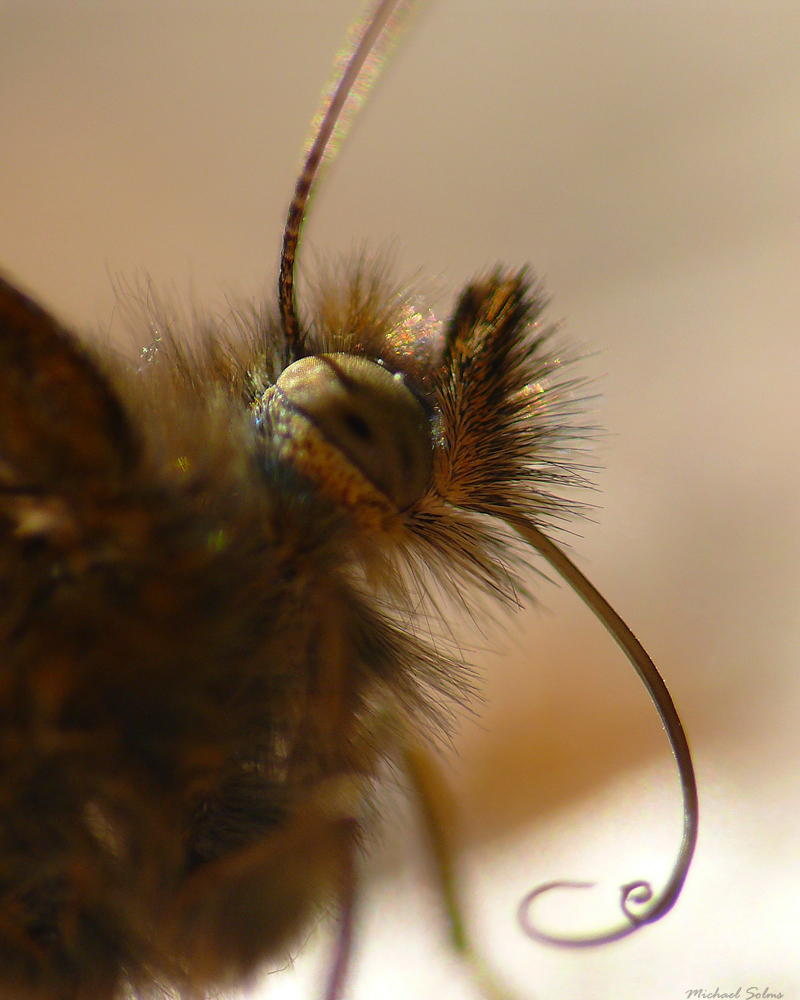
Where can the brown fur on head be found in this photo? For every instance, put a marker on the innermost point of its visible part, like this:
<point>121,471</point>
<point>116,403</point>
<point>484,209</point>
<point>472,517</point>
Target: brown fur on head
<point>196,674</point>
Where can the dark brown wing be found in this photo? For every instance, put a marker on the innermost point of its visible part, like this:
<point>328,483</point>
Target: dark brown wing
<point>59,419</point>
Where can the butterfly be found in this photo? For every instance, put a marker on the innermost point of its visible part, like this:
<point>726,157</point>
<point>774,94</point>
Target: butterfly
<point>221,559</point>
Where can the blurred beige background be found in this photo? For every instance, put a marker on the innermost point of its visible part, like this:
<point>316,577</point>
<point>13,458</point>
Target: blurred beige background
<point>645,158</point>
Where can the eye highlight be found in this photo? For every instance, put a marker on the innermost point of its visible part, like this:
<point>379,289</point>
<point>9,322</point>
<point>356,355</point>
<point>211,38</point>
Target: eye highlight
<point>370,416</point>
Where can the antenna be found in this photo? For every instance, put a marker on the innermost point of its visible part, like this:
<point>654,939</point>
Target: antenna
<point>356,70</point>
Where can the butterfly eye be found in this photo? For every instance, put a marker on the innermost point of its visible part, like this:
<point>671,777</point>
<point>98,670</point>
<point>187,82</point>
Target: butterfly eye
<point>370,416</point>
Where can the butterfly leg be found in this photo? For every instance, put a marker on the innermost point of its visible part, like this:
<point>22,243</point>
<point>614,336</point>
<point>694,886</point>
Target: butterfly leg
<point>437,812</point>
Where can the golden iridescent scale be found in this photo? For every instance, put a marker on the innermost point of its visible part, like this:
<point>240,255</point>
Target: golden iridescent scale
<point>211,565</point>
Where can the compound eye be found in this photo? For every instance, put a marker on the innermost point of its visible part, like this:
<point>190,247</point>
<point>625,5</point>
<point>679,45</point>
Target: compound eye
<point>370,416</point>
